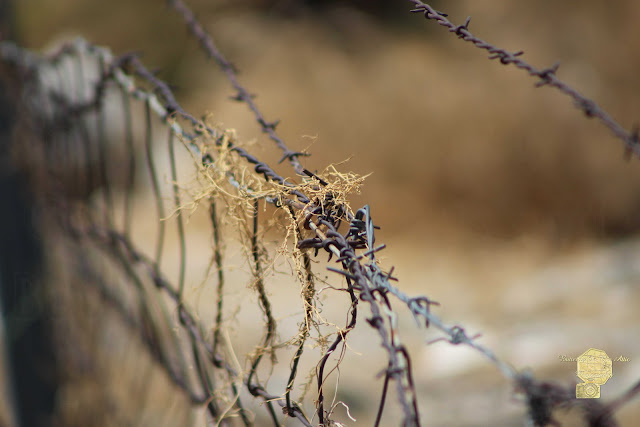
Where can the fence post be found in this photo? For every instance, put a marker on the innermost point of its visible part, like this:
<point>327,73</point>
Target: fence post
<point>29,348</point>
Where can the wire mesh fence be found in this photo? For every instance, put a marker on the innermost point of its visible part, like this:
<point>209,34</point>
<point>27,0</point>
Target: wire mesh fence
<point>95,130</point>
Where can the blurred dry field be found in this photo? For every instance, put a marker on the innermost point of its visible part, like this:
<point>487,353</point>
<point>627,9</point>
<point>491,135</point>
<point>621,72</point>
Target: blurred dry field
<point>498,200</point>
<point>471,144</point>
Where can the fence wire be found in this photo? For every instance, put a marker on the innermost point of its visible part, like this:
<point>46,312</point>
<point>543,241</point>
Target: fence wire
<point>546,76</point>
<point>69,98</point>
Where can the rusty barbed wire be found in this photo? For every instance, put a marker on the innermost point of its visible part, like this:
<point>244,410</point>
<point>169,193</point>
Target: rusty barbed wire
<point>366,282</point>
<point>398,368</point>
<point>336,244</point>
<point>343,250</point>
<point>546,76</point>
<point>242,95</point>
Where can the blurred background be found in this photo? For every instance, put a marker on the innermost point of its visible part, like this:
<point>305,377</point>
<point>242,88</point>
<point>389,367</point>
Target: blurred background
<point>464,142</point>
<point>497,199</point>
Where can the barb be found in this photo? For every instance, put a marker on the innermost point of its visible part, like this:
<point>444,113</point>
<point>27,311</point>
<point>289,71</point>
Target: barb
<point>546,76</point>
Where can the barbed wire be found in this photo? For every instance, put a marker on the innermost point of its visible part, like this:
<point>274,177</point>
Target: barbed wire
<point>546,76</point>
<point>354,249</point>
<point>418,306</point>
<point>242,95</point>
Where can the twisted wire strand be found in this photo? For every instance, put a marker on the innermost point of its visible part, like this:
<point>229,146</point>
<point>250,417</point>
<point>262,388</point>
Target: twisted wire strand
<point>242,95</point>
<point>546,76</point>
